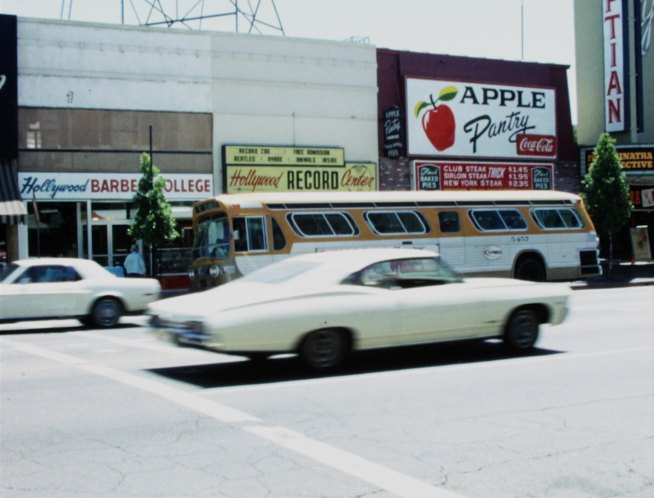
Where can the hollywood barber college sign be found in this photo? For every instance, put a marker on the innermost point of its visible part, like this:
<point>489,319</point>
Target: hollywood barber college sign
<point>463,119</point>
<point>108,186</point>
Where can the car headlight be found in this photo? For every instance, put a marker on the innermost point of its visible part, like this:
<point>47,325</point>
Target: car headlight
<point>214,271</point>
<point>194,326</point>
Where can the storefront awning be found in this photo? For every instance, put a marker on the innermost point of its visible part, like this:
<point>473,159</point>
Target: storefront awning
<point>12,208</point>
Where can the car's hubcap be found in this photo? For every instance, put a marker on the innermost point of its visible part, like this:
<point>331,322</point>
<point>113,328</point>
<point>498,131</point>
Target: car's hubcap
<point>106,313</point>
<point>523,330</point>
<point>324,349</point>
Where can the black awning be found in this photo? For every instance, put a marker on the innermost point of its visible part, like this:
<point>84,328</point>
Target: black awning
<point>12,208</point>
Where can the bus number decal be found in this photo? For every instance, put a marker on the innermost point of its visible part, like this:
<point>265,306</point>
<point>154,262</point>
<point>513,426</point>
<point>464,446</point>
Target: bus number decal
<point>516,239</point>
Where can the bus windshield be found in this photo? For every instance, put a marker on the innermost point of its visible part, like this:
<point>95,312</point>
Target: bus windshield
<point>211,238</point>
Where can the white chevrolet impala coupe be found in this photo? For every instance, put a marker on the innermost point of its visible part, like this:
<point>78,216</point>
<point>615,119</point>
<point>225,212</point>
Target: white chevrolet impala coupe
<point>324,305</point>
<point>41,288</point>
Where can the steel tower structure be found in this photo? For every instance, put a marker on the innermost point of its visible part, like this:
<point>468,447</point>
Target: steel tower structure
<point>244,16</point>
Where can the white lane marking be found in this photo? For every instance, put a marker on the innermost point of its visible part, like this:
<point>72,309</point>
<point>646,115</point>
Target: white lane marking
<point>378,475</point>
<point>143,344</point>
<point>383,477</point>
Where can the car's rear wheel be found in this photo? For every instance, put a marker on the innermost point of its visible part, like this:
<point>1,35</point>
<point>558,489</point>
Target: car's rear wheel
<point>323,349</point>
<point>106,312</point>
<point>522,329</point>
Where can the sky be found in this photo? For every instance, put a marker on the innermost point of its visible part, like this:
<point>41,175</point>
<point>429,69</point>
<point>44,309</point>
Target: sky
<point>529,30</point>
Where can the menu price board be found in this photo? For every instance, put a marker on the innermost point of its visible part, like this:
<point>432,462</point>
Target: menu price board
<point>447,175</point>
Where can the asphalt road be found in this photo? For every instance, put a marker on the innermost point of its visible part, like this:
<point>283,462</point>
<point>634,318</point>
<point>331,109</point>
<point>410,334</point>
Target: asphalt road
<point>114,413</point>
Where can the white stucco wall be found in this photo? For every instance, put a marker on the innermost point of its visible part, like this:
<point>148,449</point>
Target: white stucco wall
<point>260,89</point>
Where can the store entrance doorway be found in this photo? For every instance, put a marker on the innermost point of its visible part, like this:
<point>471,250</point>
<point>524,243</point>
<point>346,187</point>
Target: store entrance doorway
<point>110,242</point>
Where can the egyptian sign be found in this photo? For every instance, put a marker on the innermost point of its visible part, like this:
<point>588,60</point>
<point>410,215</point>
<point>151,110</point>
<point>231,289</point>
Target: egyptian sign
<point>614,17</point>
<point>294,169</point>
<point>445,175</point>
<point>463,119</point>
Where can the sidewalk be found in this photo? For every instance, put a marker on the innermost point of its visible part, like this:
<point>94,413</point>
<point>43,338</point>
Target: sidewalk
<point>622,274</point>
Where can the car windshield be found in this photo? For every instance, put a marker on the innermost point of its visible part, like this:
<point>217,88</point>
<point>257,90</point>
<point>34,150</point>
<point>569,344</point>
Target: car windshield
<point>8,270</point>
<point>281,272</point>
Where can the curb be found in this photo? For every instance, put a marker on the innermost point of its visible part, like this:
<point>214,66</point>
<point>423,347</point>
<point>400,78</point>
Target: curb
<point>611,284</point>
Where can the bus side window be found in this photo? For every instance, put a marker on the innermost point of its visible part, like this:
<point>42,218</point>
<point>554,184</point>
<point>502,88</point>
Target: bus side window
<point>487,219</point>
<point>240,235</point>
<point>249,234</point>
<point>256,234</point>
<point>279,241</point>
<point>449,221</point>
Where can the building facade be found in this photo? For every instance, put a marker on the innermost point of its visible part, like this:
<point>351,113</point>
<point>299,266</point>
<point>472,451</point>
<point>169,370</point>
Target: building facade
<point>615,88</point>
<point>93,97</point>
<point>223,112</point>
<point>462,123</point>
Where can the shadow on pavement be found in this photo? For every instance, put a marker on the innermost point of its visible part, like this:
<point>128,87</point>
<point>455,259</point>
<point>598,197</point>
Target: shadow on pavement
<point>287,368</point>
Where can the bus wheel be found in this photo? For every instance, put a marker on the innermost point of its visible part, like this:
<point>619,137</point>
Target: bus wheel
<point>323,349</point>
<point>521,331</point>
<point>530,268</point>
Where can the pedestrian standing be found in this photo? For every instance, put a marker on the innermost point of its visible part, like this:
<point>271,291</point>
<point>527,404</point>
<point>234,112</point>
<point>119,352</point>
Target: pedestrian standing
<point>134,264</point>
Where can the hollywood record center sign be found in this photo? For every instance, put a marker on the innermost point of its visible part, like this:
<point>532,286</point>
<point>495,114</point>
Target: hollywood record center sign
<point>262,168</point>
<point>464,119</point>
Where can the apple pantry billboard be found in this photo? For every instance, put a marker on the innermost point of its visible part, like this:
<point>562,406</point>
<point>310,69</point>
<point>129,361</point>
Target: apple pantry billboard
<point>464,119</point>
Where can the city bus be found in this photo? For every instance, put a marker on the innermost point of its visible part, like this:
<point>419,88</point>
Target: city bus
<point>528,234</point>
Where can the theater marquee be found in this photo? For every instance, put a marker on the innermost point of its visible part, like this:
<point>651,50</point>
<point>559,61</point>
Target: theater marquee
<point>294,169</point>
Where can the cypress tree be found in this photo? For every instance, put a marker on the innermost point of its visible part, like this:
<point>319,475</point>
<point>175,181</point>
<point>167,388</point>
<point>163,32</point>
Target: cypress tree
<point>606,193</point>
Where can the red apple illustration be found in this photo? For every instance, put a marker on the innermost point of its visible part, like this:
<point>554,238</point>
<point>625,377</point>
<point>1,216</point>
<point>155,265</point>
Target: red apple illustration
<point>438,122</point>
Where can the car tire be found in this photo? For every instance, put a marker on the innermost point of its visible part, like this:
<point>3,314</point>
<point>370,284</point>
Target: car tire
<point>522,329</point>
<point>106,312</point>
<point>323,349</point>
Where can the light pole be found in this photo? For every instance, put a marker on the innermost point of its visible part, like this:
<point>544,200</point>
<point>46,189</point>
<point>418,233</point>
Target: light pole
<point>522,30</point>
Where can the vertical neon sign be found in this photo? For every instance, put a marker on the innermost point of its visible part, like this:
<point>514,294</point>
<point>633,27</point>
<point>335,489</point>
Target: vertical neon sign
<point>616,103</point>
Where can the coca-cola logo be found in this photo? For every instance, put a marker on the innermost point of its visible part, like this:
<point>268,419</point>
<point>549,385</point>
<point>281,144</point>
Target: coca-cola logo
<point>536,145</point>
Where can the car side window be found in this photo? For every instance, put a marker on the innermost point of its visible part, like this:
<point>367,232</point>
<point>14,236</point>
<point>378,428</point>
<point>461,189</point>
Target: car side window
<point>71,274</point>
<point>48,274</point>
<point>404,273</point>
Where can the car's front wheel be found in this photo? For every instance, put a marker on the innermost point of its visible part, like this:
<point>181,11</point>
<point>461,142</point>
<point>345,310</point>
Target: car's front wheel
<point>521,332</point>
<point>323,349</point>
<point>106,312</point>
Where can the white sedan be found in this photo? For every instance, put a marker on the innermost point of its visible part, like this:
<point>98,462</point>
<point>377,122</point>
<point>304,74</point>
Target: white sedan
<point>35,289</point>
<point>324,305</point>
